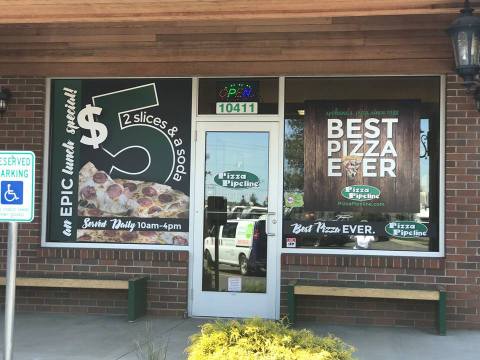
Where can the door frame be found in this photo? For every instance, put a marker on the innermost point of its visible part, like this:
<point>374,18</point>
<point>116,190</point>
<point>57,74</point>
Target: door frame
<point>271,296</point>
<point>277,118</point>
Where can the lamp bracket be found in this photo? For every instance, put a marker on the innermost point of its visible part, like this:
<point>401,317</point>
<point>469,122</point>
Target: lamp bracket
<point>5,93</point>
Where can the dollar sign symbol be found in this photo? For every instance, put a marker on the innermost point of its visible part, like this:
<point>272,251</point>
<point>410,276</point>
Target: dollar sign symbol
<point>98,131</point>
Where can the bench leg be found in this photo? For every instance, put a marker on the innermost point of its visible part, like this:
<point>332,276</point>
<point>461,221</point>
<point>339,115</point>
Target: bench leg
<point>137,298</point>
<point>291,303</point>
<point>442,313</point>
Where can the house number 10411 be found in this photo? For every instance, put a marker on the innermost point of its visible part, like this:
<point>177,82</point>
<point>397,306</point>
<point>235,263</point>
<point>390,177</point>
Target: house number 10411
<point>237,108</point>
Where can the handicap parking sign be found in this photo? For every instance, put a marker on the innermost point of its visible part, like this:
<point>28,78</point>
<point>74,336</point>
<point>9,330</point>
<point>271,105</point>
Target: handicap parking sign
<point>11,192</point>
<point>17,186</point>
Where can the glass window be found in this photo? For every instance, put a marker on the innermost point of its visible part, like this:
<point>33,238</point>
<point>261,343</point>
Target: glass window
<point>119,161</point>
<point>236,186</point>
<point>240,96</point>
<point>229,230</point>
<point>361,163</point>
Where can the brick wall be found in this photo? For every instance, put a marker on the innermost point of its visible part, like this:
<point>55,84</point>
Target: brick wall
<point>459,272</point>
<point>388,272</point>
<point>22,128</point>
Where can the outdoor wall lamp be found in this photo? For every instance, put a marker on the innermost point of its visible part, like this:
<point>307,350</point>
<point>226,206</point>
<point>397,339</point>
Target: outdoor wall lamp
<point>5,95</point>
<point>465,35</point>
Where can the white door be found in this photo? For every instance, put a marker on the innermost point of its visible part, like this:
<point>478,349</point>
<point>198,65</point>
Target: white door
<point>236,163</point>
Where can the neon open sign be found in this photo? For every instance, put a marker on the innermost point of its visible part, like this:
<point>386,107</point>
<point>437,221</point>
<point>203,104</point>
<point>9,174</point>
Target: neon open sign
<point>237,91</point>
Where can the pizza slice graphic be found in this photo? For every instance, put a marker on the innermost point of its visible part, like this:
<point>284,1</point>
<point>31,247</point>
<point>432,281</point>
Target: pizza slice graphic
<point>100,195</point>
<point>133,237</point>
<point>351,165</point>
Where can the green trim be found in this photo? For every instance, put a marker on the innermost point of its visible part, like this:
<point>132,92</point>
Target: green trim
<point>137,298</point>
<point>442,313</point>
<point>291,303</point>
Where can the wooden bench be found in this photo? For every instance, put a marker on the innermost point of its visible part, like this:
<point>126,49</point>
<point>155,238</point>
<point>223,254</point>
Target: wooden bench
<point>137,289</point>
<point>428,295</point>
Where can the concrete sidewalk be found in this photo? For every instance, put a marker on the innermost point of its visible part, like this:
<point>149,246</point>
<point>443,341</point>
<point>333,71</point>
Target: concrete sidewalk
<point>89,337</point>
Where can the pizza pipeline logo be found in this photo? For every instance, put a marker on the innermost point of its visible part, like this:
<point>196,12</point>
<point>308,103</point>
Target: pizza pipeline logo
<point>361,193</point>
<point>237,179</point>
<point>406,229</point>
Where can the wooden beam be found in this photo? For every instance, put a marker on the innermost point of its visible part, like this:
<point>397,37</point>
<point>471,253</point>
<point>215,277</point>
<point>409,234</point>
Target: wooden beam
<point>70,283</point>
<point>233,68</point>
<point>367,292</point>
<point>108,11</point>
<point>80,38</point>
<point>225,54</point>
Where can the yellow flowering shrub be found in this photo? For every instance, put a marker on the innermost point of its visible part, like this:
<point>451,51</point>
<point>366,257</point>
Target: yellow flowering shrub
<point>257,339</point>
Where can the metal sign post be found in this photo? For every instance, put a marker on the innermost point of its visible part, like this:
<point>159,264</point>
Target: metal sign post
<point>17,190</point>
<point>10,291</point>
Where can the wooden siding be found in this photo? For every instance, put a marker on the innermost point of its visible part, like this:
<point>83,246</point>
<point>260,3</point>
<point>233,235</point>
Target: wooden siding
<point>203,40</point>
<point>66,11</point>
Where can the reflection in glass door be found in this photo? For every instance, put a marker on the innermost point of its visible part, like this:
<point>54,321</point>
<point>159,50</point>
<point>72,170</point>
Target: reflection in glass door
<point>236,178</point>
<point>238,221</point>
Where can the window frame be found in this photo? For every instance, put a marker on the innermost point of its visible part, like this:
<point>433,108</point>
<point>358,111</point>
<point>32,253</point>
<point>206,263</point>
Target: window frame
<point>240,117</point>
<point>280,118</point>
<point>441,186</point>
<point>47,243</point>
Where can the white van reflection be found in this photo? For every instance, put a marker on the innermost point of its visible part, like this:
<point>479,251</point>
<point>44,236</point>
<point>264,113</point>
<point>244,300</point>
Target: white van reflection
<point>242,243</point>
<point>247,212</point>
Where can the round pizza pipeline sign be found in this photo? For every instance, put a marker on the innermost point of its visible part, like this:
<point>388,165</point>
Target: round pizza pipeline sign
<point>361,193</point>
<point>236,179</point>
<point>406,229</point>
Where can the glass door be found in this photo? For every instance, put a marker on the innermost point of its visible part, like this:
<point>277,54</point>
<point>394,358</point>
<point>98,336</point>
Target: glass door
<point>235,220</point>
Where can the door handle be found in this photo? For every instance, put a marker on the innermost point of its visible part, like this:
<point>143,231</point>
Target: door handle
<point>274,221</point>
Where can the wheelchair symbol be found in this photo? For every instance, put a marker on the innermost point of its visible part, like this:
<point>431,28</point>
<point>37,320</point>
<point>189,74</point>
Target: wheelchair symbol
<point>10,195</point>
<point>11,192</point>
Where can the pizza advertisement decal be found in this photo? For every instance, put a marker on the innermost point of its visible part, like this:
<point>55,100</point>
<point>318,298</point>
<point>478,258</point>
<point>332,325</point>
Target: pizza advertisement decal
<point>119,161</point>
<point>362,156</point>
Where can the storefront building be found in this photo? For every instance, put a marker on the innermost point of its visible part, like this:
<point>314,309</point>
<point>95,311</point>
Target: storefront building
<point>332,146</point>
